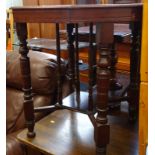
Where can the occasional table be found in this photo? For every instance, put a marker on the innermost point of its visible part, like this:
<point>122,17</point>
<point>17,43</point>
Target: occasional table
<point>104,16</point>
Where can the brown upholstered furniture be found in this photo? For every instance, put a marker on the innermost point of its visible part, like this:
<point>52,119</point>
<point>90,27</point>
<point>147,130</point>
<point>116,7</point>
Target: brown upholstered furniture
<point>43,74</point>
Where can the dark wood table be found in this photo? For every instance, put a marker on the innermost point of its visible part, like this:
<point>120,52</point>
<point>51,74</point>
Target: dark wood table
<point>104,16</point>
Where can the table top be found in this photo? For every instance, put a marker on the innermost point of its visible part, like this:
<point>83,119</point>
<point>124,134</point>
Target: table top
<point>62,132</point>
<point>74,6</point>
<point>78,13</point>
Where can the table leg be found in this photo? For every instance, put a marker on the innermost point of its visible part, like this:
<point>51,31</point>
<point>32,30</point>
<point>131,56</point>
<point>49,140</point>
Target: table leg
<point>26,77</point>
<point>103,74</point>
<point>90,64</point>
<point>114,84</point>
<point>71,57</point>
<point>104,41</point>
<point>133,91</point>
<point>59,83</point>
<point>77,78</point>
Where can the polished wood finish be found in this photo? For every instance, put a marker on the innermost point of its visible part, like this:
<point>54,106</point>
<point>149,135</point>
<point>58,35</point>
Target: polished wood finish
<point>26,75</point>
<point>71,56</point>
<point>105,14</point>
<point>77,78</point>
<point>75,13</point>
<point>72,133</point>
<point>103,76</point>
<point>133,90</point>
<point>59,85</point>
<point>114,84</point>
<point>90,64</point>
<point>106,35</point>
<point>62,132</point>
<point>103,81</point>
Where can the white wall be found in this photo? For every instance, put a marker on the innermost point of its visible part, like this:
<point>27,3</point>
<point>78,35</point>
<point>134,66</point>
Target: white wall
<point>10,3</point>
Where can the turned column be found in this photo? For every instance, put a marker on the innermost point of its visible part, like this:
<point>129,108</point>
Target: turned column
<point>114,84</point>
<point>77,78</point>
<point>91,69</point>
<point>58,50</point>
<point>71,56</point>
<point>26,77</point>
<point>133,91</point>
<point>103,75</point>
<point>102,129</point>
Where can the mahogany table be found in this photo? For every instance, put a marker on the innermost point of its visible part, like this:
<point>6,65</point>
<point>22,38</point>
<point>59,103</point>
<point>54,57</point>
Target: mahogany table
<point>103,15</point>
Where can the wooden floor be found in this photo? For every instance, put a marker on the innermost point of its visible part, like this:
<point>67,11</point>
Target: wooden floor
<point>68,133</point>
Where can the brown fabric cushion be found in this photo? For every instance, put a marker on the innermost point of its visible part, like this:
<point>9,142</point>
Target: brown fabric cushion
<point>14,113</point>
<point>43,71</point>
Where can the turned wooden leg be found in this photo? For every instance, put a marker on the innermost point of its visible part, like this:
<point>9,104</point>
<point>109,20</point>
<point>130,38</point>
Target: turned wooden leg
<point>26,77</point>
<point>102,128</point>
<point>133,91</point>
<point>59,84</point>
<point>71,57</point>
<point>104,39</point>
<point>114,84</point>
<point>90,62</point>
<point>77,78</point>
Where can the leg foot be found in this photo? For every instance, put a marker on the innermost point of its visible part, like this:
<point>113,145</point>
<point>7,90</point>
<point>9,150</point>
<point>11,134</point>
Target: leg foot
<point>31,134</point>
